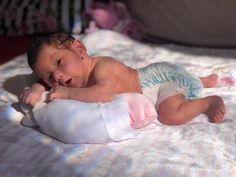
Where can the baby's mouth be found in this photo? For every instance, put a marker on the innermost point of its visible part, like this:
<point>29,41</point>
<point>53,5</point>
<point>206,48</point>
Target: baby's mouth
<point>67,83</point>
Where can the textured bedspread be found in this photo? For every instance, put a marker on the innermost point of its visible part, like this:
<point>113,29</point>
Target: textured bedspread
<point>197,149</point>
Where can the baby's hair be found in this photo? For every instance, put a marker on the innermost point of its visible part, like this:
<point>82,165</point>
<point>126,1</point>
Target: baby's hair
<point>58,40</point>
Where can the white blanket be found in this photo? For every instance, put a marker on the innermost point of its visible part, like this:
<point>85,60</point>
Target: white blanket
<point>68,120</point>
<point>197,149</point>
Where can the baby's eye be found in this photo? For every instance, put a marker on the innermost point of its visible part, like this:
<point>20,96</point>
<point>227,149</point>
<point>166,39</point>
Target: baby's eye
<point>58,61</point>
<point>50,77</point>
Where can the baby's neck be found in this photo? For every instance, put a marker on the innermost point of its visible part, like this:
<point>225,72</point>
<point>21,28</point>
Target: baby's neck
<point>89,62</point>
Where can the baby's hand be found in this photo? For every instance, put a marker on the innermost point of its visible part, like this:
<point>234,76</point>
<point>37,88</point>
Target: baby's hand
<point>59,92</point>
<point>30,96</point>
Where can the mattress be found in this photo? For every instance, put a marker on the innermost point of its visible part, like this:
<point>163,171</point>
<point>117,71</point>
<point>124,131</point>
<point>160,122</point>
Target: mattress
<point>198,148</point>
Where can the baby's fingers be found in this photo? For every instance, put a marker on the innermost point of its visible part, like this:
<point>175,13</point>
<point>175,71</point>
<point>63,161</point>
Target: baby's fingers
<point>30,100</point>
<point>52,96</point>
<point>24,98</point>
<point>24,94</point>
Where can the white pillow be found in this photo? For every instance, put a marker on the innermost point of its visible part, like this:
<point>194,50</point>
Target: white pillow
<point>72,121</point>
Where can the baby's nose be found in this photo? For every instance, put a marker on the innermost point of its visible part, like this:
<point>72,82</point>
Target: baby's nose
<point>57,76</point>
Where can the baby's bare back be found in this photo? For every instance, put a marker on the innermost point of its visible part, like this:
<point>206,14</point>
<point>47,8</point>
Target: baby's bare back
<point>120,77</point>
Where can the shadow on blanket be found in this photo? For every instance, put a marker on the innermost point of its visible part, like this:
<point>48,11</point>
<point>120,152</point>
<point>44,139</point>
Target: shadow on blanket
<point>16,84</point>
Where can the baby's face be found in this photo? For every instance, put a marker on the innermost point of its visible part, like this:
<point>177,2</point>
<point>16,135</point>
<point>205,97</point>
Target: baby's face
<point>61,67</point>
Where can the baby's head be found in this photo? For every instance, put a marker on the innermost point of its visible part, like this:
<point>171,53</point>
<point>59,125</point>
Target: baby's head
<point>58,40</point>
<point>58,59</point>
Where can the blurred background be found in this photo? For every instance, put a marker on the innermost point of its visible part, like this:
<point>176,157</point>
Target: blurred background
<point>187,22</point>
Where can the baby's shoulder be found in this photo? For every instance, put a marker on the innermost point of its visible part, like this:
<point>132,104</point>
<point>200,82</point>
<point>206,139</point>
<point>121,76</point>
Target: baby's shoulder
<point>108,65</point>
<point>105,59</point>
<point>108,62</point>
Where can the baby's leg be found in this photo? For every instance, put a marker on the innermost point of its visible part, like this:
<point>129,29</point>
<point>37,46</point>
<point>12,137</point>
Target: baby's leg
<point>176,110</point>
<point>210,81</point>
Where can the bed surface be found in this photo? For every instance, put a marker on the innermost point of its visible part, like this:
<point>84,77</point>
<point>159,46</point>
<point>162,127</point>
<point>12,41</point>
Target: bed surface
<point>198,148</point>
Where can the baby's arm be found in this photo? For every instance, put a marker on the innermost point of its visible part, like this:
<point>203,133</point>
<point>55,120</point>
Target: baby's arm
<point>95,93</point>
<point>32,95</point>
<point>108,80</point>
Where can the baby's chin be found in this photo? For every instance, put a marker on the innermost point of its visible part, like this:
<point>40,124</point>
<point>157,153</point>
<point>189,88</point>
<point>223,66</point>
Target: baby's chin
<point>73,85</point>
<point>76,83</point>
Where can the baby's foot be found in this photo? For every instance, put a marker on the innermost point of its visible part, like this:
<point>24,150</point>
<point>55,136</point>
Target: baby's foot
<point>210,81</point>
<point>226,81</point>
<point>216,109</point>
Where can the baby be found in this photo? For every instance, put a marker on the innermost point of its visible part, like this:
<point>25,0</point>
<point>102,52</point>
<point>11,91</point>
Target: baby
<point>62,64</point>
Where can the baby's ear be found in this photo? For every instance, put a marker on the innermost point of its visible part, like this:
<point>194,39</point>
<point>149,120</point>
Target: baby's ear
<point>80,46</point>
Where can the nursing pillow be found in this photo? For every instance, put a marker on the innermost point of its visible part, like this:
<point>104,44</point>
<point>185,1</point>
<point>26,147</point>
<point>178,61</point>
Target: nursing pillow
<point>72,121</point>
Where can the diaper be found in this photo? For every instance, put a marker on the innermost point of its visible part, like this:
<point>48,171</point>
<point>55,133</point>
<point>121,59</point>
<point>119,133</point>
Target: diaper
<point>162,80</point>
